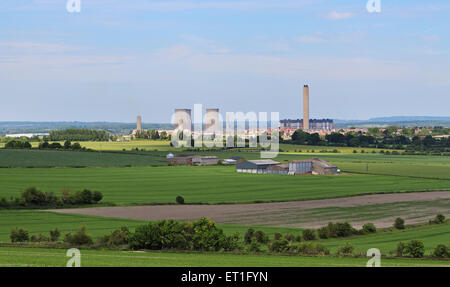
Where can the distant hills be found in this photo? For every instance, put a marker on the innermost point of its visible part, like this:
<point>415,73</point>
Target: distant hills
<point>409,119</point>
<point>402,121</point>
<point>126,128</point>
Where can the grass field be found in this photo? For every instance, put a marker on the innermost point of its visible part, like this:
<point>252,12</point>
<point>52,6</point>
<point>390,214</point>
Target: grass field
<point>49,158</point>
<point>16,256</point>
<point>214,184</point>
<point>42,222</point>
<point>386,239</point>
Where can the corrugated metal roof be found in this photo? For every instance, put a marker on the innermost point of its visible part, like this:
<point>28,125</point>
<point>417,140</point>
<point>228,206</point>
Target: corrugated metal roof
<point>263,161</point>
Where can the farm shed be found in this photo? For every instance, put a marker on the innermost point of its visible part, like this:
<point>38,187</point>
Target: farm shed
<point>278,169</point>
<point>300,167</point>
<point>255,166</point>
<point>323,167</point>
<point>205,160</point>
<point>193,160</point>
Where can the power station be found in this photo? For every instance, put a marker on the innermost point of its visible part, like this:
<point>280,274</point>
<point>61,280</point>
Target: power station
<point>306,124</point>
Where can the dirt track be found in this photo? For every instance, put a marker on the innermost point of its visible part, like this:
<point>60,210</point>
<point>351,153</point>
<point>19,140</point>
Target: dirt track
<point>414,207</point>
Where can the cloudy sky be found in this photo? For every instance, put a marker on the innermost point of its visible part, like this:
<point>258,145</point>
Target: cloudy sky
<point>116,59</point>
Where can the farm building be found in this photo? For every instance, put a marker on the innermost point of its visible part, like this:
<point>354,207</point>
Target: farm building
<point>255,166</point>
<point>300,167</point>
<point>323,167</point>
<point>193,160</point>
<point>278,169</point>
<point>312,166</point>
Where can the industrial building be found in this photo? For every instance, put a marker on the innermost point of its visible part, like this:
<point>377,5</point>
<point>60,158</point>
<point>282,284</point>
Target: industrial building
<point>295,167</point>
<point>314,124</point>
<point>192,160</point>
<point>306,123</point>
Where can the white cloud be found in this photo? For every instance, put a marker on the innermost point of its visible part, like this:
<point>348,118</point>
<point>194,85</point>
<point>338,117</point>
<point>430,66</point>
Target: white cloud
<point>309,39</point>
<point>339,15</point>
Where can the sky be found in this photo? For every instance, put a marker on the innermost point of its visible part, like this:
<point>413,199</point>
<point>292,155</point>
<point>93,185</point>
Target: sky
<point>115,59</point>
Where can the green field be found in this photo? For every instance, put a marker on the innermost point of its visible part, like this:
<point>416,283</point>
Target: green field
<point>213,184</point>
<point>37,222</point>
<point>49,158</point>
<point>40,257</point>
<point>386,239</point>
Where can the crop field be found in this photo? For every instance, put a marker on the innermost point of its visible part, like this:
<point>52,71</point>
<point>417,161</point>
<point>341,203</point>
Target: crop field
<point>49,158</point>
<point>213,184</point>
<point>41,257</point>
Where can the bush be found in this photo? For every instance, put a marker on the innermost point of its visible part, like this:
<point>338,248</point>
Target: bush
<point>54,235</point>
<point>232,242</point>
<point>39,238</point>
<point>309,248</point>
<point>248,236</point>
<point>207,236</point>
<point>401,249</point>
<point>415,248</point>
<point>323,232</point>
<point>338,229</point>
<point>279,245</point>
<point>83,197</point>
<point>32,196</point>
<point>19,235</point>
<point>165,234</point>
<point>117,238</point>
<point>369,228</point>
<point>97,196</point>
<point>261,237</point>
<point>399,223</point>
<point>277,236</point>
<point>440,218</point>
<point>441,251</point>
<point>179,199</point>
<point>79,238</point>
<point>345,250</point>
<point>308,234</point>
<point>254,246</point>
<point>289,237</point>
<point>202,234</point>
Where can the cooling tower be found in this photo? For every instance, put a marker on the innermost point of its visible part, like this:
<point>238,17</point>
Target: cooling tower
<point>183,119</point>
<point>212,121</point>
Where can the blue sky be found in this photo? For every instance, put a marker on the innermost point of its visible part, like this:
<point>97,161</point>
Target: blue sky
<point>117,59</point>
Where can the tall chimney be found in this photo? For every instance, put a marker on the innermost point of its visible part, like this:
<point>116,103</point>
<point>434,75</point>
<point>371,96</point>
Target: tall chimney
<point>139,123</point>
<point>305,108</point>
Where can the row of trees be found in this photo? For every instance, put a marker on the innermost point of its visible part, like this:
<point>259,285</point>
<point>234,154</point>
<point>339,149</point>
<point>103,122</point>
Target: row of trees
<point>204,235</point>
<point>34,198</point>
<point>360,140</point>
<point>78,135</point>
<point>151,134</point>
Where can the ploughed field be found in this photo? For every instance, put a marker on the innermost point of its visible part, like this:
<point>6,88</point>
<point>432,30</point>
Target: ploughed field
<point>212,184</point>
<point>380,209</point>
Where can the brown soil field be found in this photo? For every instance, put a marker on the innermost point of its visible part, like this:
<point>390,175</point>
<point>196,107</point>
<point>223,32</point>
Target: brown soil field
<point>380,209</point>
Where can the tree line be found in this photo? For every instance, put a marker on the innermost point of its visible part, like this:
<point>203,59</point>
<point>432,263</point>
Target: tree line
<point>78,135</point>
<point>415,143</point>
